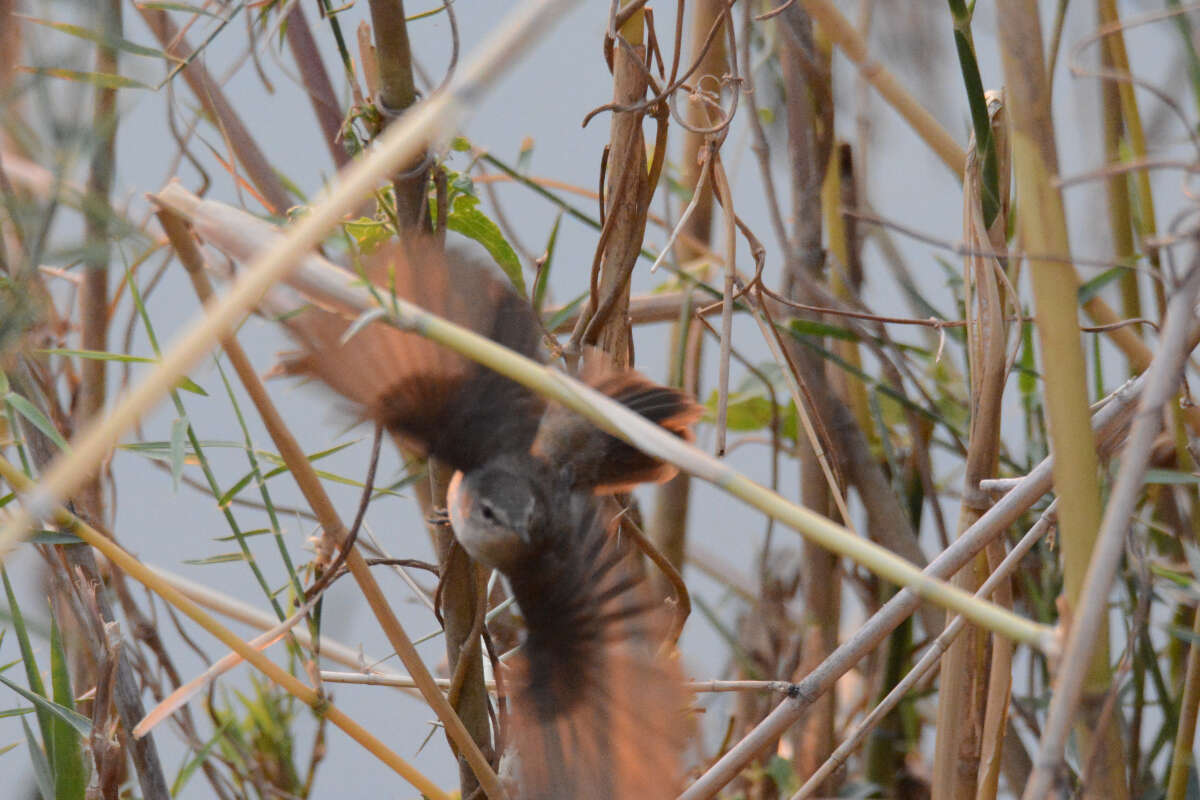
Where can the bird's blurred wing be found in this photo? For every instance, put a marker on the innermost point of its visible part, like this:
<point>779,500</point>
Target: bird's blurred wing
<point>602,462</point>
<point>442,403</point>
<point>595,713</point>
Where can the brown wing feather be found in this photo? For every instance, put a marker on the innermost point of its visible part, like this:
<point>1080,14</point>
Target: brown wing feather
<point>595,714</point>
<point>602,462</point>
<point>444,404</point>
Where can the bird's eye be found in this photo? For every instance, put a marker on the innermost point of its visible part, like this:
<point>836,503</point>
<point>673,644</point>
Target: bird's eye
<point>487,512</point>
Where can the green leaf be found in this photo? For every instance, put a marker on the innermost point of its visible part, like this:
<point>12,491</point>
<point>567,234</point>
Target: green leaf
<point>466,219</point>
<point>54,537</point>
<point>243,535</point>
<point>460,144</point>
<point>1171,477</point>
<point>185,773</point>
<point>543,277</point>
<point>8,747</point>
<point>1092,288</point>
<point>164,5</point>
<point>96,355</point>
<point>70,778</point>
<point>41,766</point>
<point>185,383</point>
<point>99,38</point>
<point>780,771</point>
<point>746,411</point>
<point>79,723</point>
<point>368,233</point>
<point>224,558</point>
<point>566,311</point>
<point>188,385</point>
<point>33,675</point>
<point>39,420</point>
<point>809,327</point>
<point>17,712</point>
<point>100,80</point>
<point>179,429</point>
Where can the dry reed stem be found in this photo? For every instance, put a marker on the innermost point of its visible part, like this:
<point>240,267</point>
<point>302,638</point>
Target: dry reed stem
<point>1091,609</point>
<point>285,680</point>
<point>231,229</point>
<point>932,659</point>
<point>310,486</point>
<point>1108,425</point>
<point>626,200</point>
<point>963,691</point>
<point>93,293</point>
<point>260,620</point>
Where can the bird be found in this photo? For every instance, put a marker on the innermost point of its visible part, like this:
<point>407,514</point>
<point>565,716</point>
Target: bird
<point>595,713</point>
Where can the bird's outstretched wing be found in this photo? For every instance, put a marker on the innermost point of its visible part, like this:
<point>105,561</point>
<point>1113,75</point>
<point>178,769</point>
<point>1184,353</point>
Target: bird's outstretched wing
<point>443,404</point>
<point>595,713</point>
<point>602,462</point>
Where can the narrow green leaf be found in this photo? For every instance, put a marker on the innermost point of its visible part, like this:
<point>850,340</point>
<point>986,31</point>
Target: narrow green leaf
<point>8,747</point>
<point>244,535</point>
<point>809,327</point>
<point>33,675</point>
<point>233,491</point>
<point>39,420</point>
<point>179,428</point>
<point>81,724</point>
<point>465,218</point>
<point>567,310</point>
<point>17,712</point>
<point>100,80</point>
<point>164,5</point>
<point>185,383</point>
<point>96,355</point>
<point>224,558</point>
<point>185,773</point>
<point>1092,288</point>
<point>70,778</point>
<point>41,766</point>
<point>94,36</point>
<point>543,278</point>
<point>1171,477</point>
<point>54,537</point>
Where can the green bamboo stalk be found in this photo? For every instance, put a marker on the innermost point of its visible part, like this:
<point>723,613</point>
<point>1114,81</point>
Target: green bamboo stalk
<point>1114,44</point>
<point>1120,214</point>
<point>1183,763</point>
<point>1043,229</point>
